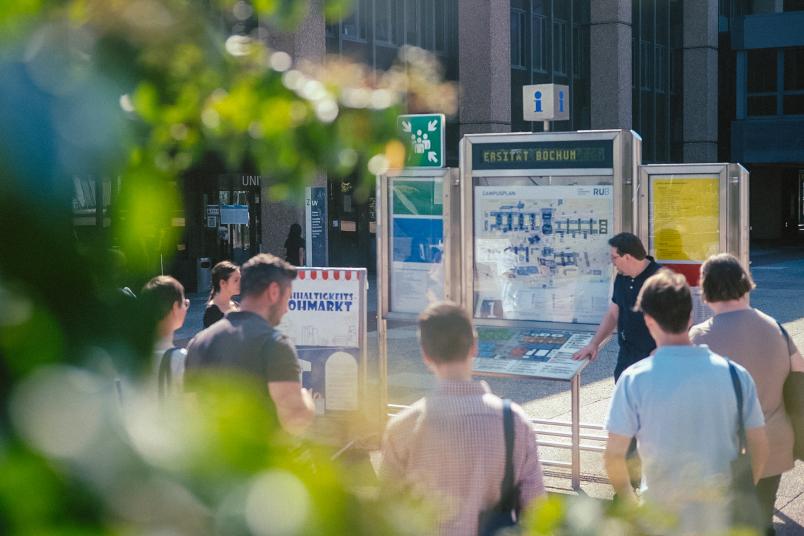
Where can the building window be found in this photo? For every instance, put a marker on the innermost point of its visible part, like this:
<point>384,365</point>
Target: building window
<point>762,87</point>
<point>434,24</point>
<point>539,43</point>
<point>560,46</point>
<point>793,99</point>
<point>518,38</point>
<point>661,68</point>
<point>412,20</point>
<point>353,27</point>
<point>760,6</point>
<point>793,5</point>
<point>647,65</point>
<point>550,44</point>
<point>580,35</point>
<point>383,21</point>
<point>440,18</point>
<point>656,68</point>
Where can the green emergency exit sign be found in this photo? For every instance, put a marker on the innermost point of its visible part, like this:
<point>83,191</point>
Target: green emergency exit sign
<point>423,135</point>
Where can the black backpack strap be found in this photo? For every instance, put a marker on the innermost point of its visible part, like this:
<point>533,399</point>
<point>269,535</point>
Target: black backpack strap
<point>738,391</point>
<point>165,372</point>
<point>508,497</point>
<point>784,331</point>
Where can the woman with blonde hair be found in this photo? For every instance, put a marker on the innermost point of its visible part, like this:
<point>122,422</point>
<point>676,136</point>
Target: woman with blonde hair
<point>225,285</point>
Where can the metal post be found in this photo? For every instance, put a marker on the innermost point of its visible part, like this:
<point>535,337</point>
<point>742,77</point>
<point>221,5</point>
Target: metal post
<point>576,432</point>
<point>382,335</point>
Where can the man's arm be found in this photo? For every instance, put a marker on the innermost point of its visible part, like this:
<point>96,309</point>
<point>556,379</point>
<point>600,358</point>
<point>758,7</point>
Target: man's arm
<point>758,448</point>
<point>607,325</point>
<point>616,468</point>
<point>294,405</point>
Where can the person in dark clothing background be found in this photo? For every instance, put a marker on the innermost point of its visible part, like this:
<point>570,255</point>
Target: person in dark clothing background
<point>294,246</point>
<point>634,266</point>
<point>225,285</point>
<point>247,343</point>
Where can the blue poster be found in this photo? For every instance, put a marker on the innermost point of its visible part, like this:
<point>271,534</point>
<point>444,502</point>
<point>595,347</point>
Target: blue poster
<point>418,240</point>
<point>316,216</point>
<point>332,375</point>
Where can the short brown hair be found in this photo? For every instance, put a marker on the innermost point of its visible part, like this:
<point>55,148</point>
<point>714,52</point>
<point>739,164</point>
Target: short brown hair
<point>666,298</point>
<point>160,293</point>
<point>628,243</point>
<point>260,271</point>
<point>445,332</point>
<point>723,278</point>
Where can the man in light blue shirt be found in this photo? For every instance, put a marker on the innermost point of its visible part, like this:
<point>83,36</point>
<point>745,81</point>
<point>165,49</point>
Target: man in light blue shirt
<point>681,406</point>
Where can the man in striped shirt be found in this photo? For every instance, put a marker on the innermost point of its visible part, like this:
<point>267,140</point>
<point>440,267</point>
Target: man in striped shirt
<point>449,447</point>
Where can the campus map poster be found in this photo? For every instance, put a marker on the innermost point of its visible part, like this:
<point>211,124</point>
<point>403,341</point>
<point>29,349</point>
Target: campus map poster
<point>417,243</point>
<point>542,253</point>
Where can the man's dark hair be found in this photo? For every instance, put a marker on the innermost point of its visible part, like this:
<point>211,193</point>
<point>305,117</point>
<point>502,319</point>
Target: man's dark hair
<point>723,278</point>
<point>445,332</point>
<point>260,271</point>
<point>627,243</point>
<point>666,298</point>
<point>160,293</point>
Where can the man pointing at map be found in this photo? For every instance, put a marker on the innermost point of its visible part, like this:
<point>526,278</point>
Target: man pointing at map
<point>633,266</point>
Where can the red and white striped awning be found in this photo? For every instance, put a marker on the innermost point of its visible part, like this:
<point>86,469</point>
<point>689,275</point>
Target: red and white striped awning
<point>329,273</point>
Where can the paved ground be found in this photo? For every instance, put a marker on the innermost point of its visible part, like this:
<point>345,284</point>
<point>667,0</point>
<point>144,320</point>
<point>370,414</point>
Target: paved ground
<point>779,273</point>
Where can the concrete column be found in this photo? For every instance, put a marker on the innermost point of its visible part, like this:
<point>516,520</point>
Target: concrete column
<point>484,65</point>
<point>700,80</point>
<point>610,64</point>
<point>307,42</point>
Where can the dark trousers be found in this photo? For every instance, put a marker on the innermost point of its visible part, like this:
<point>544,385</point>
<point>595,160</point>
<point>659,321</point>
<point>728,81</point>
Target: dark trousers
<point>626,359</point>
<point>766,493</point>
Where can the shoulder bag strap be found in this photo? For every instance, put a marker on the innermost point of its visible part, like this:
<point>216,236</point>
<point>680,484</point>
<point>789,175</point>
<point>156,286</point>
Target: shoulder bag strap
<point>507,500</point>
<point>787,343</point>
<point>738,391</point>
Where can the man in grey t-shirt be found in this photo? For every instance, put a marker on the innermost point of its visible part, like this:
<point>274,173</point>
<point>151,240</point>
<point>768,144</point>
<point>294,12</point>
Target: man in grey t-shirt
<point>681,406</point>
<point>247,342</point>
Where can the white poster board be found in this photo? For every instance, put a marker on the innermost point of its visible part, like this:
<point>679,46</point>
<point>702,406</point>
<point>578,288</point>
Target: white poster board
<point>325,320</point>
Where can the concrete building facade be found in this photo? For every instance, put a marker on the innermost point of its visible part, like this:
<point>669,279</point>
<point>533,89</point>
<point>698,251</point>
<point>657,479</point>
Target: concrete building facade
<point>699,80</point>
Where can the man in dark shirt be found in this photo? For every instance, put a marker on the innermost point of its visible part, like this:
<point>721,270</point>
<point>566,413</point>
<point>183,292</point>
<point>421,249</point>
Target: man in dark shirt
<point>634,266</point>
<point>247,342</point>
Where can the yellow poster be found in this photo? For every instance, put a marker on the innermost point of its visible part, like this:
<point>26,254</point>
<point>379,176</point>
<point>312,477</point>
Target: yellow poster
<point>685,217</point>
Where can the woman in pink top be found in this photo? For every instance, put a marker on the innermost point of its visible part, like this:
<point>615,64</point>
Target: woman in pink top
<point>760,344</point>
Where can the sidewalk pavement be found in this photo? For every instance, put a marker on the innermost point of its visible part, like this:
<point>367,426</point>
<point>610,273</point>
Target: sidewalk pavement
<point>778,272</point>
